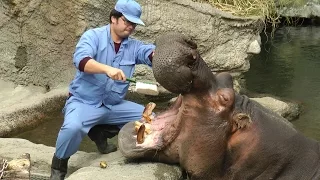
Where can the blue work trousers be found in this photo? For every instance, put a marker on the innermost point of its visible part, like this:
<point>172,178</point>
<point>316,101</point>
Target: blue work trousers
<point>79,118</point>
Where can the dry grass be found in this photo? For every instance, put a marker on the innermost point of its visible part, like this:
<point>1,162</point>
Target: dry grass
<point>247,8</point>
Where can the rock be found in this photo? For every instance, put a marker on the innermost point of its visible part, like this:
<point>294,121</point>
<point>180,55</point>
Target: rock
<point>84,166</point>
<point>254,47</point>
<point>18,169</point>
<point>290,111</point>
<point>121,169</point>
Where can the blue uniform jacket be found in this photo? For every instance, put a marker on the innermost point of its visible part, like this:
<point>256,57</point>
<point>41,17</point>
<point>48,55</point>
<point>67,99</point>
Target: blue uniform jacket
<point>98,89</point>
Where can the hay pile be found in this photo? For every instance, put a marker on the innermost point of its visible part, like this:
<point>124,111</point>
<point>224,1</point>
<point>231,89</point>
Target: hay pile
<point>247,8</point>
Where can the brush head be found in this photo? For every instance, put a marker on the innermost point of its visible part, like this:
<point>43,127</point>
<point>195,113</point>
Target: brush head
<point>147,89</point>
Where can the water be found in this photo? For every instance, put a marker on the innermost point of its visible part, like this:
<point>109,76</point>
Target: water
<point>289,67</point>
<point>46,133</point>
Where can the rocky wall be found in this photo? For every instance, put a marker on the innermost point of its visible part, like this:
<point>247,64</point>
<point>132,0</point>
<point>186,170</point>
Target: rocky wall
<point>37,37</point>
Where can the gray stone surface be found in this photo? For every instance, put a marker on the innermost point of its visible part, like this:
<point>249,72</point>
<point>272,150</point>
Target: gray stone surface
<point>288,110</point>
<point>85,166</point>
<point>254,47</point>
<point>134,171</point>
<point>38,38</point>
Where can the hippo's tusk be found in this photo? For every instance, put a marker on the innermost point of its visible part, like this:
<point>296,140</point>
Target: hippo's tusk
<point>147,118</point>
<point>149,108</point>
<point>140,134</point>
<point>147,112</point>
<point>139,127</point>
<point>138,124</point>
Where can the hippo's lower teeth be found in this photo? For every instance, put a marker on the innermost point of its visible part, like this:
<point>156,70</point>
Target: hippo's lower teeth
<point>147,118</point>
<point>147,112</point>
<point>138,124</point>
<point>140,127</point>
<point>149,108</point>
<point>140,134</point>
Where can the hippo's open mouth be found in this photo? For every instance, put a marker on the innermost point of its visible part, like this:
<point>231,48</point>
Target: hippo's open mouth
<point>151,133</point>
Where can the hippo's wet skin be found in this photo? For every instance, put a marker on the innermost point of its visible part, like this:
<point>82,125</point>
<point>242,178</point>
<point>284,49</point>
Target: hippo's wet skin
<point>212,132</point>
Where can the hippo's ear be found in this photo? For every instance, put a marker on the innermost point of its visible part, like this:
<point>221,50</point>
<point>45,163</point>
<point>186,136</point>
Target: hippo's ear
<point>240,121</point>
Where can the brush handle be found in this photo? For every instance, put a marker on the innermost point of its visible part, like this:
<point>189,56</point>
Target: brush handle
<point>130,80</point>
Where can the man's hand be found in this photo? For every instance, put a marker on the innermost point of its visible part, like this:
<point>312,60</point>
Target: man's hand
<point>115,73</point>
<point>95,67</point>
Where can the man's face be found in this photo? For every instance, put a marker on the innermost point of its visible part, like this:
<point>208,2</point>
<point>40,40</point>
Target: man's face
<point>122,27</point>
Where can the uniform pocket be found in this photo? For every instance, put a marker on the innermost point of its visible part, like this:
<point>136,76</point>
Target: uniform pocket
<point>127,67</point>
<point>118,92</point>
<point>90,88</point>
<point>119,87</point>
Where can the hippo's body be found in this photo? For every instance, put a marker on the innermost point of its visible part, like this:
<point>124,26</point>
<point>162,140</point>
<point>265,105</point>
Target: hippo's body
<point>213,132</point>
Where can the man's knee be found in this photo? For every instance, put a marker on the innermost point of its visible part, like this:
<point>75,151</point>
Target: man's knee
<point>74,128</point>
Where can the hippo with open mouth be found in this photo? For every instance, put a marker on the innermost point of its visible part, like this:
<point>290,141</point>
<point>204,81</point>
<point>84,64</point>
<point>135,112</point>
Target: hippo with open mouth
<point>211,131</point>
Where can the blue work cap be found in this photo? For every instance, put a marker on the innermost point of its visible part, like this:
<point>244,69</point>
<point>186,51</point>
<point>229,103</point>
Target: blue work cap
<point>130,9</point>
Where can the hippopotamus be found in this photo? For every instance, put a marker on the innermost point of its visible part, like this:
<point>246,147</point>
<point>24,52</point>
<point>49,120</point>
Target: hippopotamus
<point>212,131</point>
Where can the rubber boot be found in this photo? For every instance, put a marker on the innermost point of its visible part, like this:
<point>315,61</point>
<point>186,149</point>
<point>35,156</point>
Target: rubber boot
<point>100,135</point>
<point>59,168</point>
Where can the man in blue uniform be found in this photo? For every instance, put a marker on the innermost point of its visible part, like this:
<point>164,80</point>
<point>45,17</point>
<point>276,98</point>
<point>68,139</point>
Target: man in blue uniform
<point>104,58</point>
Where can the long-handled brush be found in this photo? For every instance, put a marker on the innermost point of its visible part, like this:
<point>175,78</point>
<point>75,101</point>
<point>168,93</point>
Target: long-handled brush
<point>144,87</point>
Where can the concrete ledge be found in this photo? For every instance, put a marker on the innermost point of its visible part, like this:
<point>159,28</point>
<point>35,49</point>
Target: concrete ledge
<point>23,107</point>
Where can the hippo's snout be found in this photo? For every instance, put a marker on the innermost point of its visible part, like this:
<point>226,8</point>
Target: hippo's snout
<point>138,138</point>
